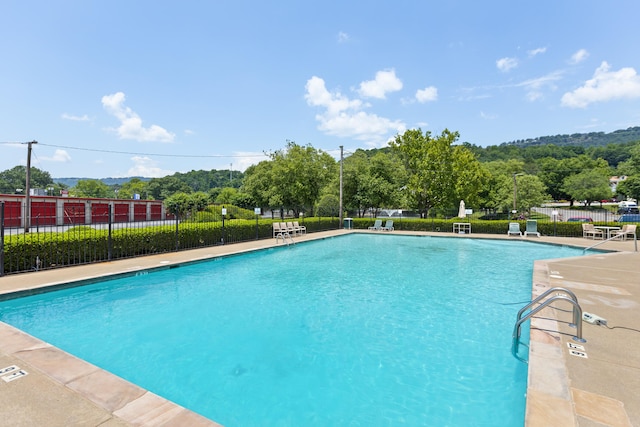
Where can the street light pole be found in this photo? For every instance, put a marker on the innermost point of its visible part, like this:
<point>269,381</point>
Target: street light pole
<point>515,192</point>
<point>27,213</point>
<point>341,161</point>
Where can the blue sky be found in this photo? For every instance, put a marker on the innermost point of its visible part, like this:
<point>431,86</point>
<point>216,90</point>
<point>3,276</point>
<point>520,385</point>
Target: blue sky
<point>120,88</point>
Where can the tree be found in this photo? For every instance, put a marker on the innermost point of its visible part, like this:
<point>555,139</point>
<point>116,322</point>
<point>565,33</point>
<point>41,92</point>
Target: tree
<point>630,187</point>
<point>15,178</point>
<point>91,188</point>
<point>329,205</point>
<point>299,174</point>
<point>554,172</point>
<point>469,175</point>
<point>530,192</point>
<point>429,163</point>
<point>226,196</point>
<point>258,185</point>
<point>182,204</point>
<point>370,182</point>
<point>133,186</point>
<point>161,188</point>
<point>293,179</point>
<point>588,185</point>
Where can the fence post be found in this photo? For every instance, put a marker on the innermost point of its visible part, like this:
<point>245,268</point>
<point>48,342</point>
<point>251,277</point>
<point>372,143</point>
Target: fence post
<point>177,240</point>
<point>1,239</point>
<point>109,239</point>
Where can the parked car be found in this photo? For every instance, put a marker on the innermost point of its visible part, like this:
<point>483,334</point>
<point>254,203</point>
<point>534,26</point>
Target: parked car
<point>628,207</point>
<point>580,219</point>
<point>628,210</point>
<point>629,218</point>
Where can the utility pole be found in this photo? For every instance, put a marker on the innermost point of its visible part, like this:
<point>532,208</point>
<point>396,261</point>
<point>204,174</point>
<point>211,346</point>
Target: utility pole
<point>341,159</point>
<point>230,173</point>
<point>27,214</point>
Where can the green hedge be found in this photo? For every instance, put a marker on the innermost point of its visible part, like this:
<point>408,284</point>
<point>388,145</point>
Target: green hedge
<point>83,245</point>
<point>565,229</point>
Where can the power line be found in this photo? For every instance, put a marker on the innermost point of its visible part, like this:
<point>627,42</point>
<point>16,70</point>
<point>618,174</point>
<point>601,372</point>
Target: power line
<point>143,154</point>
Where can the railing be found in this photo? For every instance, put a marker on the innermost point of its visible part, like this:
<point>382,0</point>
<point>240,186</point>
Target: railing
<point>570,297</point>
<point>47,246</point>
<point>635,242</point>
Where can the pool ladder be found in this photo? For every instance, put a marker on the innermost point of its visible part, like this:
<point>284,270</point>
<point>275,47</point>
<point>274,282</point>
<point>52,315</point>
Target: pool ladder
<point>284,235</point>
<point>569,297</point>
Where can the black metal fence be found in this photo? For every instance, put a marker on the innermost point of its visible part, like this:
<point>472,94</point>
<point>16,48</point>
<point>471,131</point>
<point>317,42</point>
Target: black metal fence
<point>54,246</point>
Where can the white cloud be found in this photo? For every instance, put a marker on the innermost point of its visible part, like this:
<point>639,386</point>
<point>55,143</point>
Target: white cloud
<point>344,117</point>
<point>535,87</point>
<point>537,51</point>
<point>385,81</point>
<point>58,156</point>
<point>604,86</point>
<point>506,64</point>
<point>343,37</point>
<point>427,94</point>
<point>146,167</point>
<point>83,118</point>
<point>579,56</point>
<point>243,159</point>
<point>487,116</point>
<point>131,124</point>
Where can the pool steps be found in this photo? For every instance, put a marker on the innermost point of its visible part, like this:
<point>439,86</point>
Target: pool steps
<point>570,297</point>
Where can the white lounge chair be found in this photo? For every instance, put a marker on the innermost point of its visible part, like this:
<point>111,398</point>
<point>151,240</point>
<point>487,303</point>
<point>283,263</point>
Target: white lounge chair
<point>532,228</point>
<point>377,225</point>
<point>291,229</point>
<point>388,226</point>
<point>627,230</point>
<point>277,230</point>
<point>300,229</point>
<point>514,228</point>
<point>588,230</point>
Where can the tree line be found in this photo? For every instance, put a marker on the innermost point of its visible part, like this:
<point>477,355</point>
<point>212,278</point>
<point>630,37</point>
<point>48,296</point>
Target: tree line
<point>418,171</point>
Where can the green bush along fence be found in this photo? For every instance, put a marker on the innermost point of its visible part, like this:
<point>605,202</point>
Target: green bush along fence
<point>61,246</point>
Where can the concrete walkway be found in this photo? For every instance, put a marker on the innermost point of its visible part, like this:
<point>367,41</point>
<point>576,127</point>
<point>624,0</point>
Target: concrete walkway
<point>564,390</point>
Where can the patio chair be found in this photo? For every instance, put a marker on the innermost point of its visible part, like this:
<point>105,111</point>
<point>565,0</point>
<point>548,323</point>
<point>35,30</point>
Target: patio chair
<point>277,230</point>
<point>627,230</point>
<point>377,225</point>
<point>514,228</point>
<point>291,228</point>
<point>532,228</point>
<point>388,226</point>
<point>301,229</point>
<point>588,230</point>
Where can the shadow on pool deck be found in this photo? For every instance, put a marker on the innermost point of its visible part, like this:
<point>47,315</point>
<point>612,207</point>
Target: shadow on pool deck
<point>564,390</point>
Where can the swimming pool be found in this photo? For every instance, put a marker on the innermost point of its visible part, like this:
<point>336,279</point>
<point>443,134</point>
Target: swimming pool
<point>360,329</point>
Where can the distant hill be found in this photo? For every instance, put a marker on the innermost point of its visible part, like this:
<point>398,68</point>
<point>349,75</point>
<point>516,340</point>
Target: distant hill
<point>593,139</point>
<point>71,182</point>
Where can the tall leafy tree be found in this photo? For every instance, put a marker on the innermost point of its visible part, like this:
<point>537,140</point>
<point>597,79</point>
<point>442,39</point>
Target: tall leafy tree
<point>92,188</point>
<point>469,175</point>
<point>630,187</point>
<point>589,185</point>
<point>530,192</point>
<point>131,187</point>
<point>15,178</point>
<point>293,179</point>
<point>370,182</point>
<point>161,188</point>
<point>429,164</point>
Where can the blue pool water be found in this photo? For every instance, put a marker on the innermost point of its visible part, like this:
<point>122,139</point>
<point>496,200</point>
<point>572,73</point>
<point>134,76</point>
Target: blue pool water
<point>375,330</point>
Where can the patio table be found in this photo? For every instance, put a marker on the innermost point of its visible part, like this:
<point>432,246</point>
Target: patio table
<point>606,229</point>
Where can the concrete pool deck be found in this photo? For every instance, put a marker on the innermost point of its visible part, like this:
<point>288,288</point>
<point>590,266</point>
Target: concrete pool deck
<point>565,388</point>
